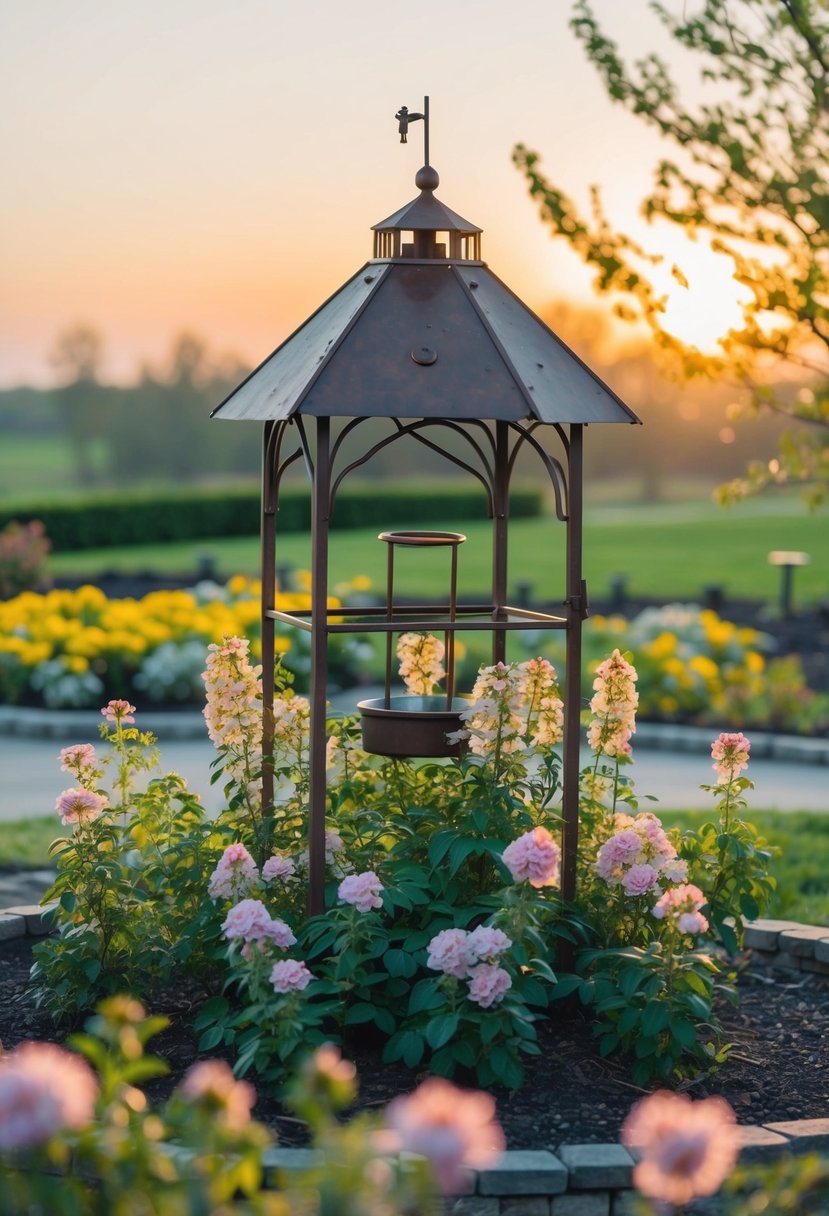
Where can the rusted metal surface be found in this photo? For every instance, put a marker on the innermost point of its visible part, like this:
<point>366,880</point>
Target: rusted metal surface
<point>576,606</point>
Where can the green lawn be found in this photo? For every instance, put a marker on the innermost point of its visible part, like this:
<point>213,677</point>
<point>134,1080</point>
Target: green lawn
<point>802,872</point>
<point>670,550</point>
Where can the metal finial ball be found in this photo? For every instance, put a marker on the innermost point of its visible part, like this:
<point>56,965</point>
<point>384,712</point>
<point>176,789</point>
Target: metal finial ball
<point>427,178</point>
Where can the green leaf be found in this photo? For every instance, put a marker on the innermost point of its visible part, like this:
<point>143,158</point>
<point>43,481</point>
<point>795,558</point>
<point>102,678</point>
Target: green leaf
<point>425,995</point>
<point>399,962</point>
<point>655,1018</point>
<point>441,1029</point>
<point>211,1038</point>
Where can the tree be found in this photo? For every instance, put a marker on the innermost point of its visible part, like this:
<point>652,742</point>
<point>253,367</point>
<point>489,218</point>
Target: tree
<point>750,175</point>
<point>76,357</point>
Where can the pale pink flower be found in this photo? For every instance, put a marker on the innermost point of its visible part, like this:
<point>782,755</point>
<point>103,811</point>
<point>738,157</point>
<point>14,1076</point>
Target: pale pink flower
<point>361,890</point>
<point>640,842</point>
<point>235,875</point>
<point>692,922</point>
<point>450,1127</point>
<point>687,1149</point>
<point>279,933</point>
<point>448,951</point>
<point>730,756</point>
<point>81,761</point>
<point>675,870</point>
<point>681,906</point>
<point>640,879</point>
<point>290,976</point>
<point>487,943</point>
<point>43,1090</point>
<point>79,806</point>
<point>533,857</point>
<point>212,1085</point>
<point>488,985</point>
<point>119,712</point>
<point>279,867</point>
<point>248,920</point>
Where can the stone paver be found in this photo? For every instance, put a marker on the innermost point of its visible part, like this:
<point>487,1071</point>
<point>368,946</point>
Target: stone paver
<point>524,1172</point>
<point>596,1203</point>
<point>592,1166</point>
<point>33,916</point>
<point>763,934</point>
<point>801,941</point>
<point>803,1134</point>
<point>760,1144</point>
<point>11,926</point>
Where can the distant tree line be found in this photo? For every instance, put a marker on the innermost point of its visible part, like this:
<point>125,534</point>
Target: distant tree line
<point>159,430</point>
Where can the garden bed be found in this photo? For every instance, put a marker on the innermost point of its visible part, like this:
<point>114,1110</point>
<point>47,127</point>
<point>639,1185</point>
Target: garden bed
<point>778,1070</point>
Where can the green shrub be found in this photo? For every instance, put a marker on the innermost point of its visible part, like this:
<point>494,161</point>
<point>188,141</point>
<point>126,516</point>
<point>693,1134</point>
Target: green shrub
<point>97,521</point>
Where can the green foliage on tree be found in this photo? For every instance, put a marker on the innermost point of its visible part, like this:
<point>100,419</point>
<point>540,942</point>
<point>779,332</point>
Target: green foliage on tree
<point>750,176</point>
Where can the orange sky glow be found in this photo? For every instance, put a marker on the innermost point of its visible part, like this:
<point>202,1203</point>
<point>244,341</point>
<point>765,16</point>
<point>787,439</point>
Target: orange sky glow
<point>216,167</point>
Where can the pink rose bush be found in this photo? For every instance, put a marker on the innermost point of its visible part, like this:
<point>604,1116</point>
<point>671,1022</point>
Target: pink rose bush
<point>533,858</point>
<point>212,1085</point>
<point>638,856</point>
<point>473,955</point>
<point>680,906</point>
<point>236,874</point>
<point>361,890</point>
<point>409,847</point>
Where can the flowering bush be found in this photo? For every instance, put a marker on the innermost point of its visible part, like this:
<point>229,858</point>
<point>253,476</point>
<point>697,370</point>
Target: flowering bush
<point>74,648</point>
<point>443,919</point>
<point>23,552</point>
<point>84,1139</point>
<point>695,666</point>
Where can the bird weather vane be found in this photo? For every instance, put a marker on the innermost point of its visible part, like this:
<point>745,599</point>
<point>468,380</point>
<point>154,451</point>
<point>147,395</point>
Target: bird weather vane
<point>404,117</point>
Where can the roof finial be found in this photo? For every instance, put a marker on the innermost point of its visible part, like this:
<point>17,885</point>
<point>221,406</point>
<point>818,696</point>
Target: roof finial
<point>404,117</point>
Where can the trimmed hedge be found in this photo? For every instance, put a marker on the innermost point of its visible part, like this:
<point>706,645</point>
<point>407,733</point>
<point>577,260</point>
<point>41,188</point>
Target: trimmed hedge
<point>98,522</point>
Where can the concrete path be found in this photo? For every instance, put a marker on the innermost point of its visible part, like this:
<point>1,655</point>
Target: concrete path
<point>30,777</point>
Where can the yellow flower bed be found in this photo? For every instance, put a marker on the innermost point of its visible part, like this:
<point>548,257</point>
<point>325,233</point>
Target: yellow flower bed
<point>73,647</point>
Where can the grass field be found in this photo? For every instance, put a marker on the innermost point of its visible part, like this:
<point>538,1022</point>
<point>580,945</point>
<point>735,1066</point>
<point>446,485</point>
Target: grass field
<point>670,550</point>
<point>802,872</point>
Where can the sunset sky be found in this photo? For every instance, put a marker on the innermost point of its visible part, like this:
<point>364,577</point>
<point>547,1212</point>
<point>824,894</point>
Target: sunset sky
<point>216,166</point>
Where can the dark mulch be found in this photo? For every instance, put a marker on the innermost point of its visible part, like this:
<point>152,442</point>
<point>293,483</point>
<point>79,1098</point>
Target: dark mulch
<point>779,1066</point>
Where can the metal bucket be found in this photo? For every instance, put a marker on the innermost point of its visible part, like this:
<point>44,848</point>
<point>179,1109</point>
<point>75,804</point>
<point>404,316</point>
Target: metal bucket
<point>411,725</point>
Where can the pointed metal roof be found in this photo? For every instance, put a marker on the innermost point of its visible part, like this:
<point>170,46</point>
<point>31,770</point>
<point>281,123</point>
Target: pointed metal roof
<point>425,337</point>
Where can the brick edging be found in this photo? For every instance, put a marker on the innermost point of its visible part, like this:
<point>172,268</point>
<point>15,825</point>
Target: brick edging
<point>575,1179</point>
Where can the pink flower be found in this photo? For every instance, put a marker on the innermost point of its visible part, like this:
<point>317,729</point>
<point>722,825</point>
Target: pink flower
<point>80,759</point>
<point>675,870</point>
<point>212,1085</point>
<point>290,976</point>
<point>361,890</point>
<point>43,1089</point>
<point>692,922</point>
<point>486,943</point>
<point>640,879</point>
<point>278,932</point>
<point>248,919</point>
<point>450,1127</point>
<point>533,857</point>
<point>119,712</point>
<point>79,806</point>
<point>687,1148</point>
<point>488,985</point>
<point>730,756</point>
<point>235,874</point>
<point>681,906</point>
<point>279,867</point>
<point>448,951</point>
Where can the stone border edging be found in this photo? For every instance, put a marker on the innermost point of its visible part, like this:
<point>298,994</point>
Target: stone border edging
<point>576,1179</point>
<point>169,725</point>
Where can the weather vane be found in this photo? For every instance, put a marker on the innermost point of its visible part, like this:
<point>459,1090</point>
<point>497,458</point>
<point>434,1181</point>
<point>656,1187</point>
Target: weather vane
<point>404,117</point>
